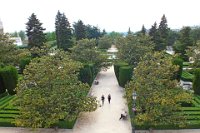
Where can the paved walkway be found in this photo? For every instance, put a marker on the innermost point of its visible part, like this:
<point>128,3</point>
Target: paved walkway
<point>105,119</point>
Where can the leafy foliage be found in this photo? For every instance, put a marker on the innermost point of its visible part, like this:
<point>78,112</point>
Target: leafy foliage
<point>85,52</point>
<point>157,94</point>
<point>125,75</point>
<point>51,91</point>
<point>104,42</point>
<point>132,48</point>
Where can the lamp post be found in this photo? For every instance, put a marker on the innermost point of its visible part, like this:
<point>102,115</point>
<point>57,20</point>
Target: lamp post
<point>134,96</point>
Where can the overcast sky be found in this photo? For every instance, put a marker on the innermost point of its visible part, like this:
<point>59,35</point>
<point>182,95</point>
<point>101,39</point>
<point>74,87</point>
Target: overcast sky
<point>111,15</point>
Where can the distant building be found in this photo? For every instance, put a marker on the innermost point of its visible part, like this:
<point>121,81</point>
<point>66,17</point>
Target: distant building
<point>1,27</point>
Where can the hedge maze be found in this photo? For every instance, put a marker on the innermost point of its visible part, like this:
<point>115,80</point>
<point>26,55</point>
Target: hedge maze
<point>8,111</point>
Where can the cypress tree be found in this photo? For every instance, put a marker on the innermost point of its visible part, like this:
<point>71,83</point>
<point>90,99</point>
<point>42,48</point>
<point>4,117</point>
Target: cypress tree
<point>34,32</point>
<point>143,31</point>
<point>79,30</point>
<point>63,32</point>
<point>163,34</point>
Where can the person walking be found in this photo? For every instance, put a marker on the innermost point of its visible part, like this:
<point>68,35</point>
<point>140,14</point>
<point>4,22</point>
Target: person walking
<point>102,99</point>
<point>109,98</point>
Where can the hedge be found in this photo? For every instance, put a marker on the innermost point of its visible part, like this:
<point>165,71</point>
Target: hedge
<point>125,74</point>
<point>196,82</point>
<point>186,76</point>
<point>9,75</point>
<point>87,74</point>
<point>116,68</point>
<point>23,62</point>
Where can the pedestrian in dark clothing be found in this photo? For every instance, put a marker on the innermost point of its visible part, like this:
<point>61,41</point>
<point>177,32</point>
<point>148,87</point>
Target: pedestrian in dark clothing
<point>109,98</point>
<point>102,99</point>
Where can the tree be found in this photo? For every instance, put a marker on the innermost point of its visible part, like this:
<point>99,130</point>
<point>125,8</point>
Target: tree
<point>129,31</point>
<point>153,32</point>
<point>162,34</point>
<point>158,96</point>
<point>63,32</point>
<point>196,83</point>
<point>50,91</point>
<point>9,53</point>
<point>143,31</point>
<point>92,32</point>
<point>184,41</point>
<point>22,35</point>
<point>50,36</point>
<point>132,48</point>
<point>103,33</point>
<point>195,34</point>
<point>86,53</point>
<point>34,32</point>
<point>79,30</point>
<point>104,42</point>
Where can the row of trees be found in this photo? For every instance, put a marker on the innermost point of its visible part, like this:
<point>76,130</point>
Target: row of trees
<point>63,32</point>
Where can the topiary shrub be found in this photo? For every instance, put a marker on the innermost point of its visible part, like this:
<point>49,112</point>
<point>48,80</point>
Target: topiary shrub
<point>23,63</point>
<point>116,68</point>
<point>179,62</point>
<point>10,77</point>
<point>125,75</point>
<point>85,75</point>
<point>196,82</point>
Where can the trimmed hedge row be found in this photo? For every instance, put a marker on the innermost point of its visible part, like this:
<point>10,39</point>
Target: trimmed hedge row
<point>116,68</point>
<point>9,78</point>
<point>196,82</point>
<point>123,73</point>
<point>87,74</point>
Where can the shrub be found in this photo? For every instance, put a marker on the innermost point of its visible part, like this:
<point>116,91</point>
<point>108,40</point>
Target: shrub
<point>23,63</point>
<point>196,82</point>
<point>116,68</point>
<point>125,74</point>
<point>179,62</point>
<point>10,77</point>
<point>86,75</point>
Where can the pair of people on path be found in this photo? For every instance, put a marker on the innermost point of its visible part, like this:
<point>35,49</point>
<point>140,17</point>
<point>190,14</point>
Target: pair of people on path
<point>103,98</point>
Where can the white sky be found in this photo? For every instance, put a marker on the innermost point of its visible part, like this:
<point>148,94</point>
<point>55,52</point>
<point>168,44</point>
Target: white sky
<point>113,15</point>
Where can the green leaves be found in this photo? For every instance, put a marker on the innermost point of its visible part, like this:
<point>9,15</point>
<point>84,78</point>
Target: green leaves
<point>51,91</point>
<point>158,94</point>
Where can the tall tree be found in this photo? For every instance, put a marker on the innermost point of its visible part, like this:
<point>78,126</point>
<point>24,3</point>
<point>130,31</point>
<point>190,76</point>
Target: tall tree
<point>63,32</point>
<point>34,32</point>
<point>103,33</point>
<point>80,30</point>
<point>143,31</point>
<point>50,91</point>
<point>158,96</point>
<point>22,35</point>
<point>129,31</point>
<point>162,34</point>
<point>92,32</point>
<point>132,48</point>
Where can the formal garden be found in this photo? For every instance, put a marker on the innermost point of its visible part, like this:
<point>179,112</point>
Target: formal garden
<point>47,83</point>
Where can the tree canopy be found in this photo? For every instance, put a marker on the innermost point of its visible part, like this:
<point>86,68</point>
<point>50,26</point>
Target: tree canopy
<point>158,95</point>
<point>50,91</point>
